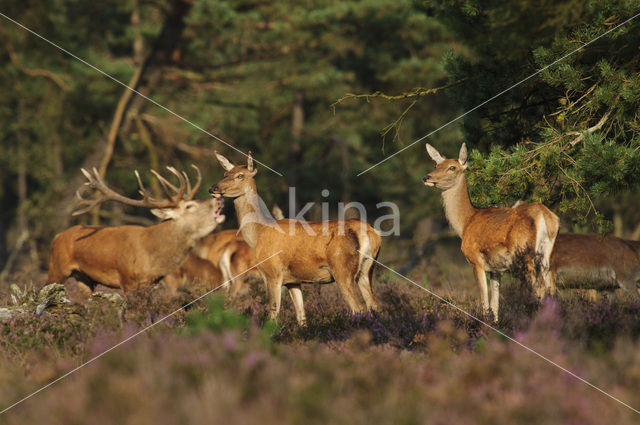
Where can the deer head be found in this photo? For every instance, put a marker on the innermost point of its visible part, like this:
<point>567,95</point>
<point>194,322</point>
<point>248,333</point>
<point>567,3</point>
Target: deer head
<point>191,216</point>
<point>448,172</point>
<point>238,179</point>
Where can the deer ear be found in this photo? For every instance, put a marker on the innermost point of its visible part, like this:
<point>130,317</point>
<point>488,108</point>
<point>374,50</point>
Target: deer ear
<point>462,156</point>
<point>434,154</point>
<point>250,165</point>
<point>163,213</point>
<point>277,213</point>
<point>226,164</point>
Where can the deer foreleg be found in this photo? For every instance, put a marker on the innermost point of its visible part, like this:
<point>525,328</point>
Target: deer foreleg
<point>481,280</point>
<point>495,293</point>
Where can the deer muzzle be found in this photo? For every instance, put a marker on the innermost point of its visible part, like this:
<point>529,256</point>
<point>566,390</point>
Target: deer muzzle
<point>427,181</point>
<point>215,191</point>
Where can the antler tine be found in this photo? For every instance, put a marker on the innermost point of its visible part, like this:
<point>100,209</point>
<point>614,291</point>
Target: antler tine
<point>90,203</point>
<point>143,190</point>
<point>95,182</point>
<point>183,186</point>
<point>192,192</point>
<point>166,185</point>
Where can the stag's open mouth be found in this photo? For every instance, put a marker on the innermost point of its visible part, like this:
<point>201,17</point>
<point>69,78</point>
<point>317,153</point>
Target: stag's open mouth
<point>217,214</point>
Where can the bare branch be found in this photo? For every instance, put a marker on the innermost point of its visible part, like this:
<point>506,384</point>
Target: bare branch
<point>37,72</point>
<point>417,92</point>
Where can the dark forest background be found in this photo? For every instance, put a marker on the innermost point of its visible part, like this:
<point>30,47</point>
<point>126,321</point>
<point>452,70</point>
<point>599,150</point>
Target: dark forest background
<point>319,91</point>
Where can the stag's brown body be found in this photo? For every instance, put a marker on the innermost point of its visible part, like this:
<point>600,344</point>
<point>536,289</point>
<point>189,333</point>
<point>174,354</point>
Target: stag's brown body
<point>194,268</point>
<point>493,239</point>
<point>292,252</point>
<point>127,256</point>
<point>588,257</point>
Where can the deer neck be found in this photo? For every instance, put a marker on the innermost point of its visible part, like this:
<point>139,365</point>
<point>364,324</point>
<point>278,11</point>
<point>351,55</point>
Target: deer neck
<point>457,206</point>
<point>170,243</point>
<point>251,217</point>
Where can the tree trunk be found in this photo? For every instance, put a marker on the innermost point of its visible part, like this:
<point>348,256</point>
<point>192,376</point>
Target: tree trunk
<point>160,54</point>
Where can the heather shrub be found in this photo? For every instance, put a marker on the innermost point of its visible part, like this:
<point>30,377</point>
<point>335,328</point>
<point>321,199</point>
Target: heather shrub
<point>416,360</point>
<point>228,376</point>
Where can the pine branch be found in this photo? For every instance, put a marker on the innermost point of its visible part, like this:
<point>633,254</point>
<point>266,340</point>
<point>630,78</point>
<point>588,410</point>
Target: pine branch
<point>590,130</point>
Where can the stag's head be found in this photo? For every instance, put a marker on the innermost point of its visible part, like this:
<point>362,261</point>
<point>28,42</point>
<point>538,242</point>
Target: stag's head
<point>238,179</point>
<point>448,172</point>
<point>193,217</point>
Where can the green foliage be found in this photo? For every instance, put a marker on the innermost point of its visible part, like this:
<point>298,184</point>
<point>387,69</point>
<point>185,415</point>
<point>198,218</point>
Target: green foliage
<point>569,137</point>
<point>216,318</point>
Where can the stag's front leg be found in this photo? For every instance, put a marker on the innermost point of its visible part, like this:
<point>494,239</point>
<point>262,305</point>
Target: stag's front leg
<point>295,291</point>
<point>495,293</point>
<point>481,280</point>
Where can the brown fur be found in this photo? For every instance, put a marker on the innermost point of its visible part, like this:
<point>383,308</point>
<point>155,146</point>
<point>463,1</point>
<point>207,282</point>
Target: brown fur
<point>194,268</point>
<point>493,238</point>
<point>128,256</point>
<point>592,256</point>
<point>232,255</point>
<point>329,253</point>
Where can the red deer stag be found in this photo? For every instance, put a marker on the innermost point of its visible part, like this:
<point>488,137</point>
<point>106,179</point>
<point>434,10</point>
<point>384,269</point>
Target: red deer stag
<point>127,256</point>
<point>493,238</point>
<point>296,251</point>
<point>592,257</point>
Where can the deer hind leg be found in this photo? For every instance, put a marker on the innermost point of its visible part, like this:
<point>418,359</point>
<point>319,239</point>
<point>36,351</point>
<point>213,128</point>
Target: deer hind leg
<point>344,274</point>
<point>495,293</point>
<point>343,262</point>
<point>545,239</point>
<point>295,291</point>
<point>481,280</point>
<point>628,283</point>
<point>365,278</point>
<point>225,268</point>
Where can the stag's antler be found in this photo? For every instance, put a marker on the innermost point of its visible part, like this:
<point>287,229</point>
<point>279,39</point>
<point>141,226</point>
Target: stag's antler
<point>95,182</point>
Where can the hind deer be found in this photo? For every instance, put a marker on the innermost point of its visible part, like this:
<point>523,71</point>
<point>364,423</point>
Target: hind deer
<point>592,257</point>
<point>232,255</point>
<point>193,269</point>
<point>125,257</point>
<point>493,238</point>
<point>300,251</point>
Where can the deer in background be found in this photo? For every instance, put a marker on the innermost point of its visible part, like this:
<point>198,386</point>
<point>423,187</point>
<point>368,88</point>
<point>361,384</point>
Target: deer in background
<point>292,252</point>
<point>125,257</point>
<point>493,238</point>
<point>193,268</point>
<point>594,257</point>
<point>232,255</point>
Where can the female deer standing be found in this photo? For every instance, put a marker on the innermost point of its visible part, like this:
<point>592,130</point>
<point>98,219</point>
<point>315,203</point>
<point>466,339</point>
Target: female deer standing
<point>292,252</point>
<point>493,238</point>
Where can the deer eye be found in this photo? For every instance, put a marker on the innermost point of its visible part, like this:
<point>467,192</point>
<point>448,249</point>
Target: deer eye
<point>240,176</point>
<point>191,206</point>
<point>452,168</point>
